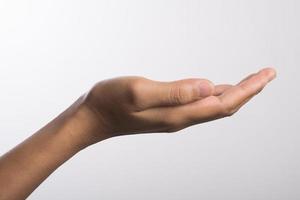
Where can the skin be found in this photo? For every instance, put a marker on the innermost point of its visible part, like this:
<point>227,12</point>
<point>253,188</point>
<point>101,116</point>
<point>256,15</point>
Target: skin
<point>121,106</point>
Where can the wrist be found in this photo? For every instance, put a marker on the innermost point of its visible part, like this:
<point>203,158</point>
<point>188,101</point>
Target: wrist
<point>82,127</point>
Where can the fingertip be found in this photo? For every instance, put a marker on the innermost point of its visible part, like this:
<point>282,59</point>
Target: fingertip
<point>269,72</point>
<point>273,73</point>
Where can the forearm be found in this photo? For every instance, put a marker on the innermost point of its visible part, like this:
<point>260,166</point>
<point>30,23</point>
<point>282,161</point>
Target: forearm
<point>23,168</point>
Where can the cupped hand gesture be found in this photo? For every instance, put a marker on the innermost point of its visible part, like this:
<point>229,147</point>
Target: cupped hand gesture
<point>130,105</point>
<point>120,106</point>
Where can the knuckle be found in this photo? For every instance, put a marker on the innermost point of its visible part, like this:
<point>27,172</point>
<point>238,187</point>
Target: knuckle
<point>180,94</point>
<point>134,84</point>
<point>176,95</point>
<point>134,88</point>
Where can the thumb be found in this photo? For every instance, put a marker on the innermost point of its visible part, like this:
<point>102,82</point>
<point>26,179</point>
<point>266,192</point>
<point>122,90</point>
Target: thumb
<point>156,93</point>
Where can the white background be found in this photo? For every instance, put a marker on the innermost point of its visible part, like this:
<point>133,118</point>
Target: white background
<point>53,51</point>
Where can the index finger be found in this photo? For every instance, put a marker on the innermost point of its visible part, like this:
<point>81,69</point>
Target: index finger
<point>235,97</point>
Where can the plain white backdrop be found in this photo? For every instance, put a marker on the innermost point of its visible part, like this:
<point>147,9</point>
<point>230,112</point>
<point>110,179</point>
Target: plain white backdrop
<point>53,51</point>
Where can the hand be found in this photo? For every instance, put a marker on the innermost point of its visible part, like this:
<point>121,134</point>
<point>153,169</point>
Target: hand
<point>120,106</point>
<point>130,105</point>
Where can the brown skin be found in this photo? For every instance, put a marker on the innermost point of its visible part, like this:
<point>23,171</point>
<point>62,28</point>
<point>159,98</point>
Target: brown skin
<point>120,106</point>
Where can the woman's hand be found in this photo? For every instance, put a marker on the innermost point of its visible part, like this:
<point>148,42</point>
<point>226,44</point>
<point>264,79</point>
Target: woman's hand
<point>120,106</point>
<point>130,105</point>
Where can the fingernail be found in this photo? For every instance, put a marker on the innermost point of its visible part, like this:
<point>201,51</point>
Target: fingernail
<point>205,89</point>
